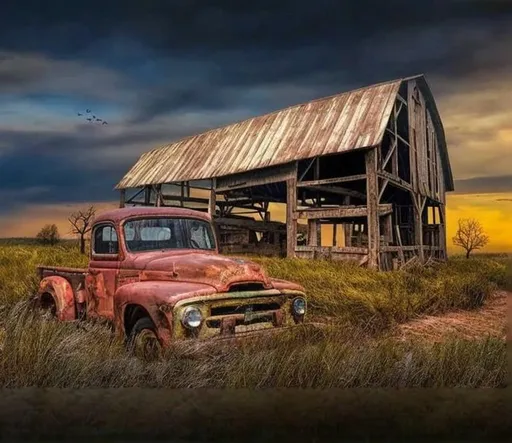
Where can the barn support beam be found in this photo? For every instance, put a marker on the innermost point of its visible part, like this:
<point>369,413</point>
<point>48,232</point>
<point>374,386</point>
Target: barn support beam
<point>291,216</point>
<point>158,200</point>
<point>147,195</point>
<point>122,198</point>
<point>212,200</point>
<point>419,205</point>
<point>348,227</point>
<point>343,212</point>
<point>336,190</point>
<point>387,228</point>
<point>442,231</point>
<point>332,181</point>
<point>373,208</point>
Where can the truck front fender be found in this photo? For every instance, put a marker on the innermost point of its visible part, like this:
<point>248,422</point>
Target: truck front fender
<point>154,297</point>
<point>63,296</point>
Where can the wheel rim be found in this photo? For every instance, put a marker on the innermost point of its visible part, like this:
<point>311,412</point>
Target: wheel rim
<point>146,345</point>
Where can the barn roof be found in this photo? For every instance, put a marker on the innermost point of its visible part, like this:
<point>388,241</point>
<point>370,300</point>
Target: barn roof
<point>339,123</point>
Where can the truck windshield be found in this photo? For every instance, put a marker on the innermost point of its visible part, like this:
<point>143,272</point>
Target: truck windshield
<point>150,234</point>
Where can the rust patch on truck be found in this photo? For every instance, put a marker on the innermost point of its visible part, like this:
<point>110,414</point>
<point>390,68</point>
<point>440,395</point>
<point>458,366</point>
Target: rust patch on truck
<point>182,292</point>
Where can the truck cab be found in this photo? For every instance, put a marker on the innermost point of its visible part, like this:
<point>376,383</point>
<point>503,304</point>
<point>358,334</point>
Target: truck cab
<point>156,276</point>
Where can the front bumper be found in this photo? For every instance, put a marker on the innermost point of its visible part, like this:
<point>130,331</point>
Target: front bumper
<point>256,340</point>
<point>227,315</point>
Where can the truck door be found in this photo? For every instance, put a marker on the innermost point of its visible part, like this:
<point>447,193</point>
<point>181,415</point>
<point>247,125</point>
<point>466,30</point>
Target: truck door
<point>103,271</point>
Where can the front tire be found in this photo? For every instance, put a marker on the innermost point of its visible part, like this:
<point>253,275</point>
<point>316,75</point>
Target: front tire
<point>143,340</point>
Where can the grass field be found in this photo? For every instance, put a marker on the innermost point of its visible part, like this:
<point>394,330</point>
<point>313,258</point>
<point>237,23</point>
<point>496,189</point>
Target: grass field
<point>357,349</point>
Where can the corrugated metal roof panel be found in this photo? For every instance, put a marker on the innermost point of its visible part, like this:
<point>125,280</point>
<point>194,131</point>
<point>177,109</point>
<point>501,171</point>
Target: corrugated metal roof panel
<point>335,124</point>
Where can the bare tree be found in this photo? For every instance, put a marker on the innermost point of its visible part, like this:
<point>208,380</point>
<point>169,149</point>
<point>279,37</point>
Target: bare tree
<point>470,235</point>
<point>81,222</point>
<point>48,235</point>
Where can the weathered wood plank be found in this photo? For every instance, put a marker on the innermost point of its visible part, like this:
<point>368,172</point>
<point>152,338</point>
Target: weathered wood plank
<point>147,195</point>
<point>387,229</point>
<point>397,136</point>
<point>158,191</point>
<point>122,198</point>
<point>343,212</point>
<point>212,201</point>
<point>336,190</point>
<point>382,189</point>
<point>395,180</point>
<point>339,250</point>
<point>329,181</point>
<point>372,208</point>
<point>347,227</point>
<point>390,154</point>
<point>419,204</point>
<point>312,233</point>
<point>256,177</point>
<point>247,223</point>
<point>291,218</point>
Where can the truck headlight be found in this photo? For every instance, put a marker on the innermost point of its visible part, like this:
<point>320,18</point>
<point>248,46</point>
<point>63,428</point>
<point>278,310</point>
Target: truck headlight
<point>191,317</point>
<point>299,306</point>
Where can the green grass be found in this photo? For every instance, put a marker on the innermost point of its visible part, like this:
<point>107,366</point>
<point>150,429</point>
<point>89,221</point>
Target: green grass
<point>378,300</point>
<point>358,350</point>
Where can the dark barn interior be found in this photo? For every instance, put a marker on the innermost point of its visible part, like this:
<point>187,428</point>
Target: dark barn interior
<point>362,175</point>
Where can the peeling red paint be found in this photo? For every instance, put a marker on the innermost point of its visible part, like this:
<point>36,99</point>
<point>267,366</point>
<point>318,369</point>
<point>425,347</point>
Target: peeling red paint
<point>160,284</point>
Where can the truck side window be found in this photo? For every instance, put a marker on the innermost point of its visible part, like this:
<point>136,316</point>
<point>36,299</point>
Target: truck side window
<point>105,240</point>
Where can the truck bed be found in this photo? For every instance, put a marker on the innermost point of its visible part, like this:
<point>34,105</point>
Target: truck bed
<point>73,275</point>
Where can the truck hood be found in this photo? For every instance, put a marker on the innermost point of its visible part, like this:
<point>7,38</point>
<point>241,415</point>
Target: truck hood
<point>211,269</point>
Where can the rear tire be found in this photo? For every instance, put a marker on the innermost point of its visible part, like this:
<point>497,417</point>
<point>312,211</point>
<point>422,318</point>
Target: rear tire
<point>143,340</point>
<point>46,307</point>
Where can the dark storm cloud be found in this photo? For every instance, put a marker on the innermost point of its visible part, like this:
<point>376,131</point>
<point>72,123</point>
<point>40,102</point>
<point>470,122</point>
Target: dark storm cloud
<point>184,25</point>
<point>482,185</point>
<point>67,169</point>
<point>165,58</point>
<point>205,49</point>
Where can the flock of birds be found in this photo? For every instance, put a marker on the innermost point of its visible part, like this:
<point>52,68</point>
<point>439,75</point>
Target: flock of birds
<point>91,118</point>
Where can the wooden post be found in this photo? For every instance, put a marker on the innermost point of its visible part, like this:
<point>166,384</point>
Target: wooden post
<point>372,204</point>
<point>212,200</point>
<point>442,231</point>
<point>291,220</point>
<point>347,227</point>
<point>394,158</point>
<point>122,198</point>
<point>312,232</point>
<point>387,229</point>
<point>334,234</point>
<point>147,195</point>
<point>419,204</point>
<point>158,199</point>
<point>318,233</point>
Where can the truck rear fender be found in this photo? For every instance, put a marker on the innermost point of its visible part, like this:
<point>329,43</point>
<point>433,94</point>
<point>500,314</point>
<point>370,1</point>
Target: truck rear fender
<point>63,296</point>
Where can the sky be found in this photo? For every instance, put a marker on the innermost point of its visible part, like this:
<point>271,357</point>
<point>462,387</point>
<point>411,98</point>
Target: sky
<point>160,70</point>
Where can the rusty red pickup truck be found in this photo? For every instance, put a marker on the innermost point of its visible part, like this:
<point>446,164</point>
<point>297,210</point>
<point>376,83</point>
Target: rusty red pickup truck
<point>156,276</point>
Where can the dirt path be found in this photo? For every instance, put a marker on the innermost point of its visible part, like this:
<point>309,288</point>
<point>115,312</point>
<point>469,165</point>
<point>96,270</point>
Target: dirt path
<point>491,319</point>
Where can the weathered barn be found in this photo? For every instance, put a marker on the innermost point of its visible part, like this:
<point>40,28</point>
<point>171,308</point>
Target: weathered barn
<point>369,167</point>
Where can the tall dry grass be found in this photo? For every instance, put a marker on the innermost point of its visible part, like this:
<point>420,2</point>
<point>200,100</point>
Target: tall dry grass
<point>43,353</point>
<point>378,300</point>
<point>356,351</point>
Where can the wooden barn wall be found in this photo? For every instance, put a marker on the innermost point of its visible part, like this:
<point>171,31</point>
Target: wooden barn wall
<point>426,172</point>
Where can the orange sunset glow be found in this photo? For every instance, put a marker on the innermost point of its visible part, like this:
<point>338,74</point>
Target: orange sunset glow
<point>78,107</point>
